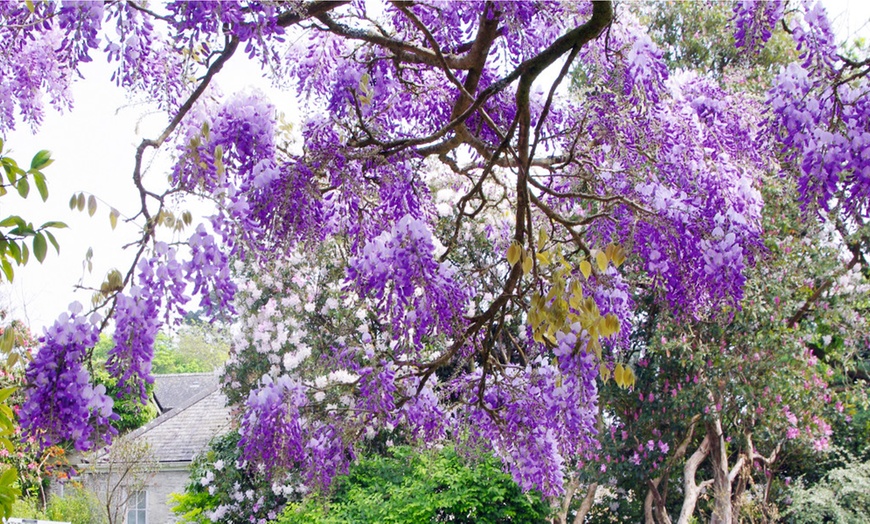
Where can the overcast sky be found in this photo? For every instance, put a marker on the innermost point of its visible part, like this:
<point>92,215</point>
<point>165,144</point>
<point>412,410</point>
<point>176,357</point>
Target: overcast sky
<point>94,147</point>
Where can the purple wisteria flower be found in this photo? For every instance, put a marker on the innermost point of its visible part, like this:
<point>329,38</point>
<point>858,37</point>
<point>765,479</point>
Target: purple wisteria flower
<point>60,402</point>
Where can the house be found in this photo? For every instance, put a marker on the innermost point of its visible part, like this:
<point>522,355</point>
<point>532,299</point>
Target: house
<point>173,390</point>
<point>172,440</point>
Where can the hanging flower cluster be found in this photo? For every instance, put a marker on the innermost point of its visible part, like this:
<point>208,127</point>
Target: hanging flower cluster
<point>62,404</point>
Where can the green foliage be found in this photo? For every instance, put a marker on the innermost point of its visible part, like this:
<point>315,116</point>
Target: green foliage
<point>197,347</point>
<point>841,497</point>
<point>28,508</point>
<point>697,36</point>
<point>411,486</point>
<point>77,505</point>
<point>15,231</point>
<point>133,414</point>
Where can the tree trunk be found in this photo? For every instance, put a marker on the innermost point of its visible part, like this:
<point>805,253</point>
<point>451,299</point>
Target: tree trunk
<point>586,505</point>
<point>692,490</point>
<point>561,514</point>
<point>721,478</point>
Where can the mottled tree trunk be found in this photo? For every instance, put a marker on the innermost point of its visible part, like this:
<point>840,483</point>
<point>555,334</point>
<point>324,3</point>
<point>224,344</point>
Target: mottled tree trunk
<point>691,489</point>
<point>586,505</point>
<point>571,488</point>
<point>721,479</point>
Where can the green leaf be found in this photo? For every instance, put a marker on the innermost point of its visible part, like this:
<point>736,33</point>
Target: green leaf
<point>55,224</point>
<point>25,254</point>
<point>39,180</point>
<point>41,160</point>
<point>39,247</point>
<point>53,241</point>
<point>80,201</point>
<point>7,341</point>
<point>23,187</point>
<point>7,269</point>
<point>6,392</point>
<point>14,251</point>
<point>113,217</point>
<point>12,220</point>
<point>73,201</point>
<point>9,476</point>
<point>92,205</point>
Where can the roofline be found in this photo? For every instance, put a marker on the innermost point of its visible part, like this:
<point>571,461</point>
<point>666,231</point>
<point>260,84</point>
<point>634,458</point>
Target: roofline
<point>171,413</point>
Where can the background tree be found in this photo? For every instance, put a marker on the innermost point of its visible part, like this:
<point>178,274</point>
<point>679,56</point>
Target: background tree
<point>118,475</point>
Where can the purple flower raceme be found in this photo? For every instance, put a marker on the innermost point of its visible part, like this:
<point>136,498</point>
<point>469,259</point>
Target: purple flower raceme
<point>754,22</point>
<point>208,269</point>
<point>538,416</point>
<point>419,295</point>
<point>825,133</point>
<point>60,402</point>
<point>136,326</point>
<point>275,432</point>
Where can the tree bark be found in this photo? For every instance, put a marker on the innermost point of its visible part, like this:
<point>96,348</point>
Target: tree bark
<point>561,516</point>
<point>721,478</point>
<point>586,505</point>
<point>692,490</point>
<point>659,512</point>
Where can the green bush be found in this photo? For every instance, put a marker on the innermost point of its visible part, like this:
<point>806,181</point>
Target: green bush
<point>417,487</point>
<point>77,505</point>
<point>27,508</point>
<point>842,496</point>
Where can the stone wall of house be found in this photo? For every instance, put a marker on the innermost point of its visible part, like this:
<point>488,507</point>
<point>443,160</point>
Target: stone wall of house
<point>159,489</point>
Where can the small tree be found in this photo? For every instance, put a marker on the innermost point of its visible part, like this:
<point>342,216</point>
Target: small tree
<point>120,473</point>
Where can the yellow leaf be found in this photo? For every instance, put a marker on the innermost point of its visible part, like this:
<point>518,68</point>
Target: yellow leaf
<point>596,347</point>
<point>617,255</point>
<point>513,253</point>
<point>575,301</point>
<point>604,371</point>
<point>628,377</point>
<point>585,268</point>
<point>542,238</point>
<point>544,258</point>
<point>610,325</point>
<point>601,260</point>
<point>527,265</point>
<point>113,217</point>
<point>618,375</point>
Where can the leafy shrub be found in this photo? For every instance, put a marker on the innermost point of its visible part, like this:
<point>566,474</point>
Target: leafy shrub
<point>413,487</point>
<point>841,497</point>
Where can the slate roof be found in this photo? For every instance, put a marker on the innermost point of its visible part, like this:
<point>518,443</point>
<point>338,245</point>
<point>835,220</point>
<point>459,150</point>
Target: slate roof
<point>173,390</point>
<point>178,436</point>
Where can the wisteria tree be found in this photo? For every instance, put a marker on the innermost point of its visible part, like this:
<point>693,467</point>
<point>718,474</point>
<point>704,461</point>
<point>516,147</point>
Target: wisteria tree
<point>489,224</point>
